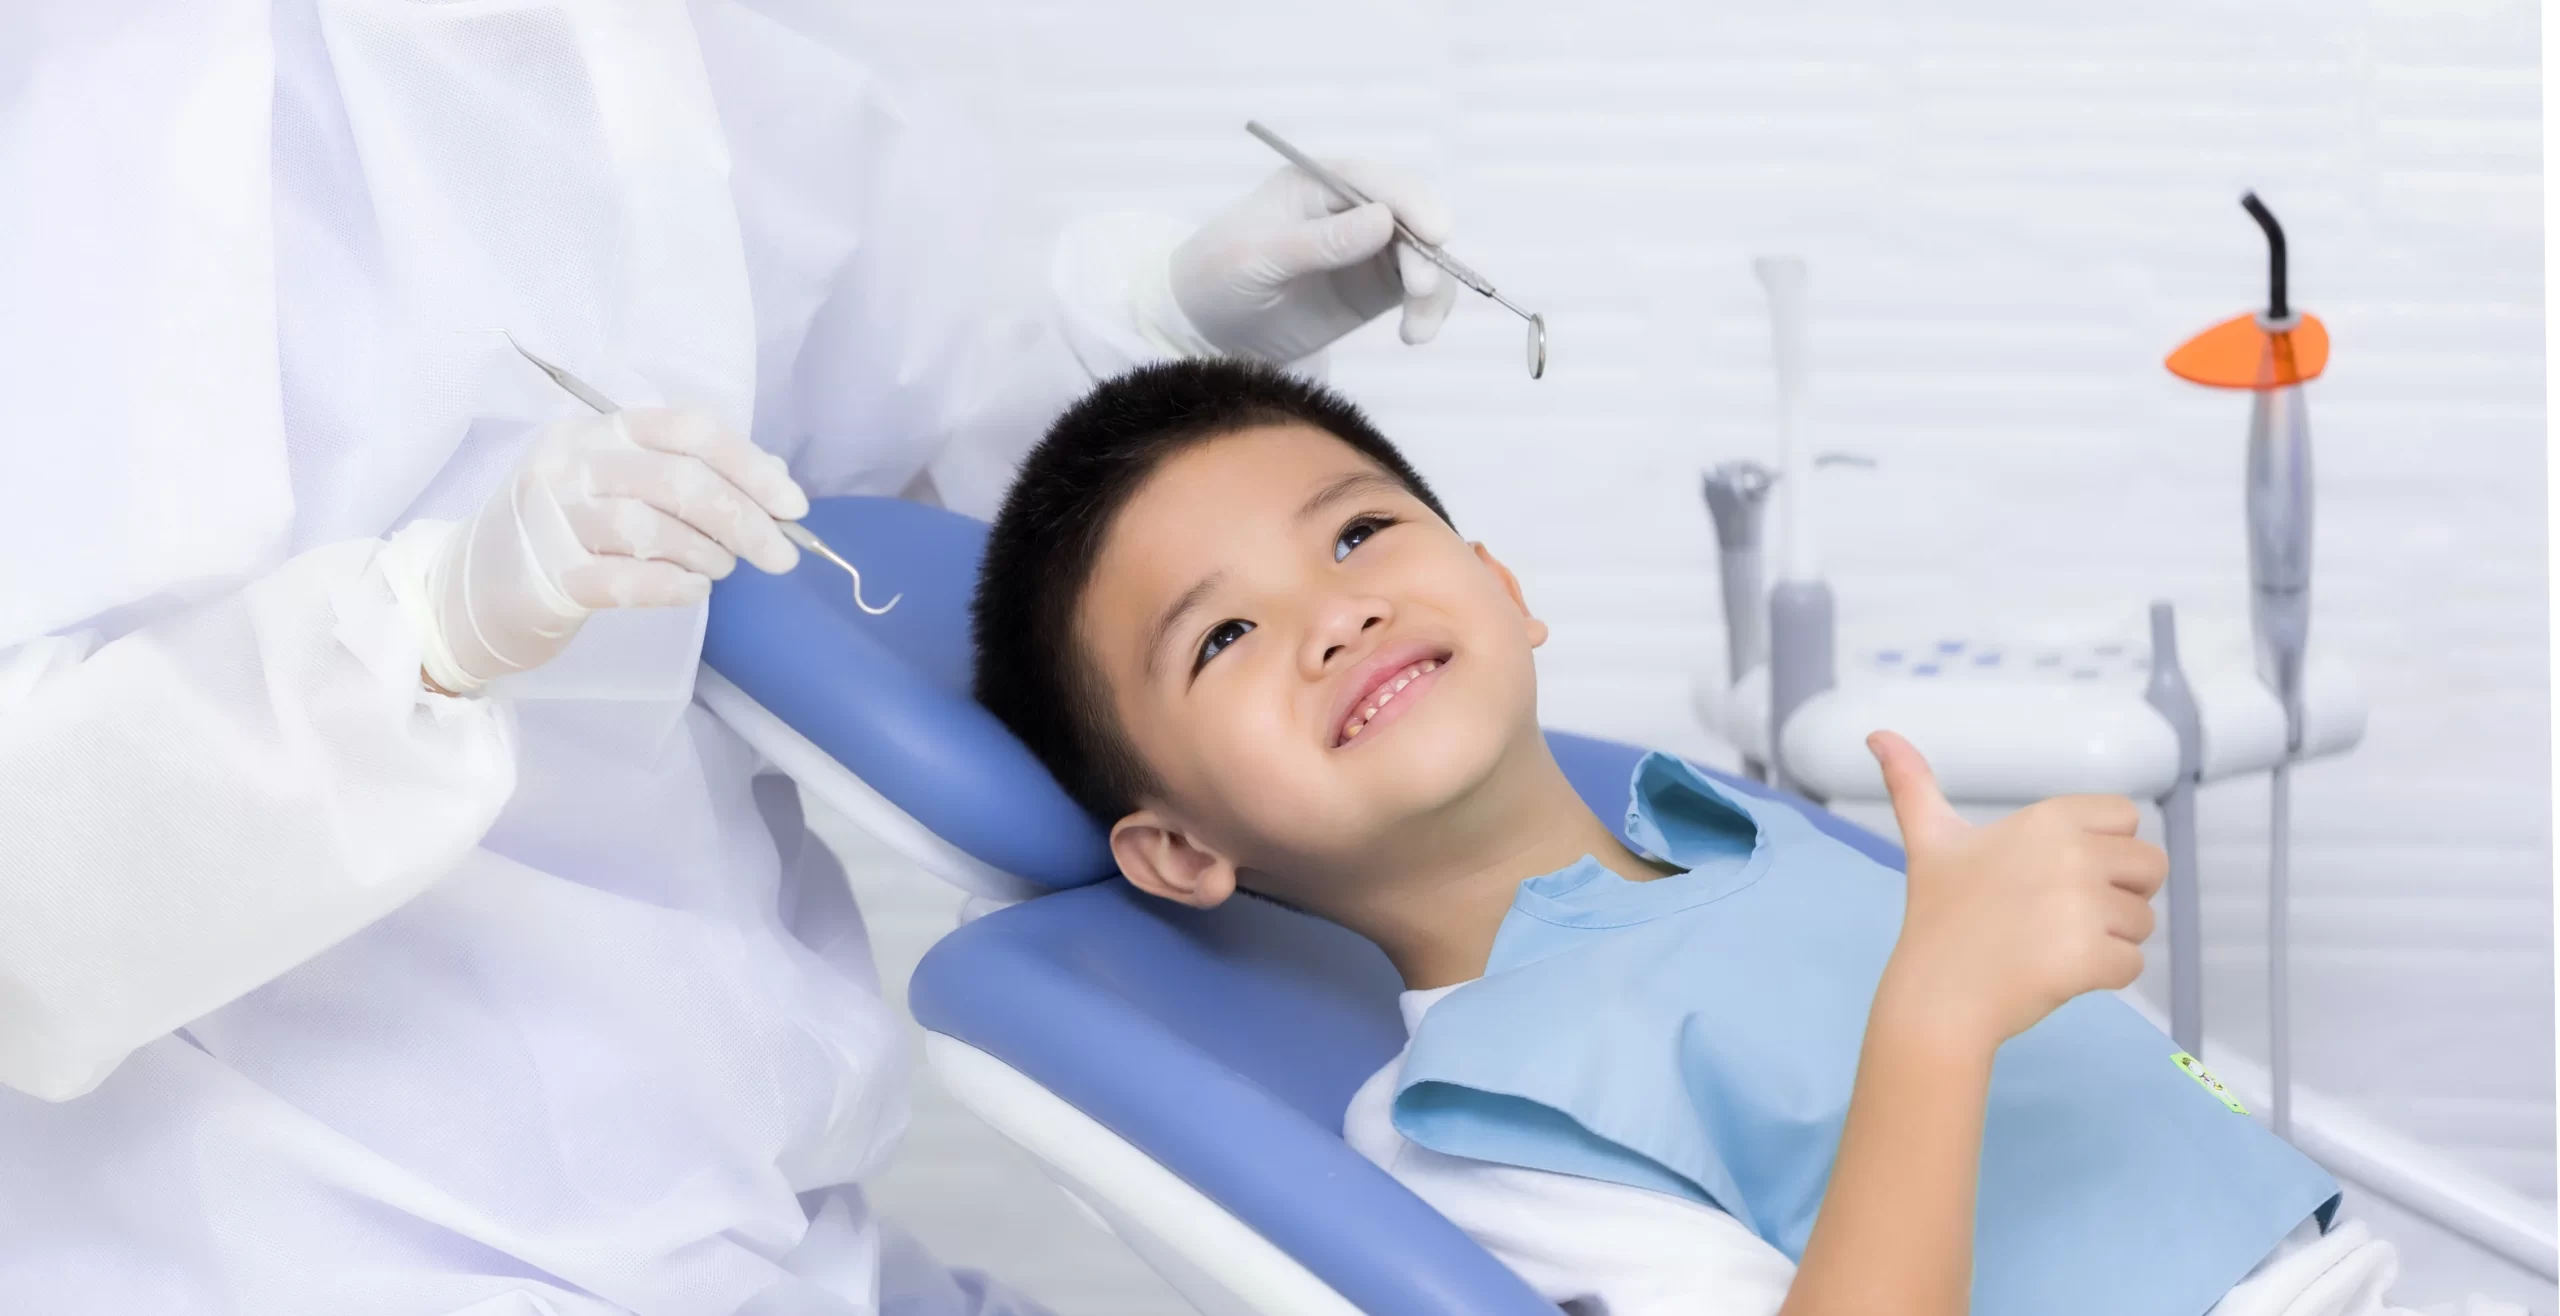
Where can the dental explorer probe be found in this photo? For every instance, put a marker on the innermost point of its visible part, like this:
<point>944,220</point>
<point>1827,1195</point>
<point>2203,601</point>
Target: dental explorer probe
<point>791,530</point>
<point>1456,268</point>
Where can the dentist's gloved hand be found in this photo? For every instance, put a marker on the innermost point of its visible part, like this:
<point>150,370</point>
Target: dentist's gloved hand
<point>638,509</point>
<point>1291,267</point>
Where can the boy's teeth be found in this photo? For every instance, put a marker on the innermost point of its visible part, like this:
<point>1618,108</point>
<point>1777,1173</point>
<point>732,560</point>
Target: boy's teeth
<point>1385,693</point>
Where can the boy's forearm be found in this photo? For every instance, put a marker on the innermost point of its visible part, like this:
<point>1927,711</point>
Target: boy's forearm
<point>1895,1233</point>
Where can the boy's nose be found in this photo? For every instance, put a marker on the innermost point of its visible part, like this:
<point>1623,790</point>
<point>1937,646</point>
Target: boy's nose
<point>1343,631</point>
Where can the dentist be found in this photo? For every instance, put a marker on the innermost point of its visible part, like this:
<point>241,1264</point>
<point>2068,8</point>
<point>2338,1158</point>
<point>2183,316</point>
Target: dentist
<point>383,927</point>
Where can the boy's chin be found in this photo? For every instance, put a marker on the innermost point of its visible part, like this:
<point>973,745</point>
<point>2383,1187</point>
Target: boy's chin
<point>1428,775</point>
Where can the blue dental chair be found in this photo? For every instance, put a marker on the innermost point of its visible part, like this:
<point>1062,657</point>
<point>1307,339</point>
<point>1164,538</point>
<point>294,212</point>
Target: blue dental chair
<point>1181,1074</point>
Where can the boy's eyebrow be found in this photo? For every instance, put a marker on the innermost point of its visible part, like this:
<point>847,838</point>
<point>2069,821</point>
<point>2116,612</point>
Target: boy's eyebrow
<point>1345,487</point>
<point>1174,612</point>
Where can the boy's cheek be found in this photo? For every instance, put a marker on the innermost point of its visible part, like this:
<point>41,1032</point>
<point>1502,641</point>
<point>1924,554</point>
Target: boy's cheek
<point>1245,762</point>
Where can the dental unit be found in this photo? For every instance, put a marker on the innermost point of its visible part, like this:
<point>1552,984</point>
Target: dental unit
<point>2014,710</point>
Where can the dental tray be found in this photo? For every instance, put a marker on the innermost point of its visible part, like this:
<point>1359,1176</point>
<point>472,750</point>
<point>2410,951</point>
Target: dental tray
<point>2013,714</point>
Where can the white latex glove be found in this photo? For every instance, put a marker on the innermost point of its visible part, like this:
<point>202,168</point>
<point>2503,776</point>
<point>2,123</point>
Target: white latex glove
<point>637,509</point>
<point>1291,267</point>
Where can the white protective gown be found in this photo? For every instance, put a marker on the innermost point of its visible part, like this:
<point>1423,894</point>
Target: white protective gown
<point>319,994</point>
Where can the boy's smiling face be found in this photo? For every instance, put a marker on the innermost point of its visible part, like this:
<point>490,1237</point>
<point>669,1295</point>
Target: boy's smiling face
<point>1304,655</point>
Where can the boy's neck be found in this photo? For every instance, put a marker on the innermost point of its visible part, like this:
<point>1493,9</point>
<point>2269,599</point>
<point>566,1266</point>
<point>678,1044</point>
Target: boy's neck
<point>1440,895</point>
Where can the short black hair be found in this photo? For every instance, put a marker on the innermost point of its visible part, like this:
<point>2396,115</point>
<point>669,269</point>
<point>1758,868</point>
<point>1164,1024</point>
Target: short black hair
<point>1031,673</point>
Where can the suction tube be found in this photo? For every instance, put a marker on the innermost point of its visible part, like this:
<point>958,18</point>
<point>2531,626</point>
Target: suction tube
<point>1737,496</point>
<point>1801,615</point>
<point>1784,279</point>
<point>2279,505</point>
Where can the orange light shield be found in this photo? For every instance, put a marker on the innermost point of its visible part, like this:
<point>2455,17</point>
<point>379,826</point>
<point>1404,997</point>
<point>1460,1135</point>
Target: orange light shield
<point>2241,353</point>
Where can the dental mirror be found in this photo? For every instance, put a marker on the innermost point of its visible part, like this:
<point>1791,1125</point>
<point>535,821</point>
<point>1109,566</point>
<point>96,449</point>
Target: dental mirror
<point>1457,269</point>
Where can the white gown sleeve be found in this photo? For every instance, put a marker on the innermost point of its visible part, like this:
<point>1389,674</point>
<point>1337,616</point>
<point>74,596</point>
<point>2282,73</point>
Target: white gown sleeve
<point>915,316</point>
<point>1085,325</point>
<point>942,333</point>
<point>209,800</point>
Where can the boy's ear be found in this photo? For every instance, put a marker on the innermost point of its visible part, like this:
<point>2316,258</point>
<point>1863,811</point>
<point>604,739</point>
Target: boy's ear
<point>1511,586</point>
<point>1163,860</point>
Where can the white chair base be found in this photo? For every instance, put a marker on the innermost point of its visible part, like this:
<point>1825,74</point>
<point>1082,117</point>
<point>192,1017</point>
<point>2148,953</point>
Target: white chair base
<point>832,785</point>
<point>1211,1258</point>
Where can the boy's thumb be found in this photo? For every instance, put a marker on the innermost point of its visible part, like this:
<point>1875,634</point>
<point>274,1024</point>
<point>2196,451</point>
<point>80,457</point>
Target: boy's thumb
<point>1919,807</point>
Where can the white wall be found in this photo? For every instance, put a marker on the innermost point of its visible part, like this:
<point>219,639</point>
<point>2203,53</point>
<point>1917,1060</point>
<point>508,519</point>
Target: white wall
<point>2012,212</point>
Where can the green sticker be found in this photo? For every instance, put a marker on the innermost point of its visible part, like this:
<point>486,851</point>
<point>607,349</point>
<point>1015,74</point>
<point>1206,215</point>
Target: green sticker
<point>2205,1079</point>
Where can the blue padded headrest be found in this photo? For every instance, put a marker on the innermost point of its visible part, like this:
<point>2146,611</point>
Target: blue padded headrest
<point>888,696</point>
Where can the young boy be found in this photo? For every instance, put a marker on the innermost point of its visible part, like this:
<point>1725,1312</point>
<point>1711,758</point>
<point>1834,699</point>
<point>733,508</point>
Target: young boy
<point>1231,618</point>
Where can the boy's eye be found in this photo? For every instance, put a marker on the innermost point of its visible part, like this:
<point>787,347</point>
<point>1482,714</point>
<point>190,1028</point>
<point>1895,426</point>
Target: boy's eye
<point>1219,637</point>
<point>1357,533</point>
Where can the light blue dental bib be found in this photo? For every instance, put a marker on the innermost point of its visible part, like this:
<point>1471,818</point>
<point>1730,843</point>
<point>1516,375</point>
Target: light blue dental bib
<point>1698,1035</point>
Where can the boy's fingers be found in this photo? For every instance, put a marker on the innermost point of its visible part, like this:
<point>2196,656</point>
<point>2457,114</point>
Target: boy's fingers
<point>2129,918</point>
<point>2134,866</point>
<point>2108,815</point>
<point>2116,964</point>
<point>1919,807</point>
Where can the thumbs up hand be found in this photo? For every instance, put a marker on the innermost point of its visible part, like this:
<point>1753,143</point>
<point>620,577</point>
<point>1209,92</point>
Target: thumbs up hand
<point>2006,922</point>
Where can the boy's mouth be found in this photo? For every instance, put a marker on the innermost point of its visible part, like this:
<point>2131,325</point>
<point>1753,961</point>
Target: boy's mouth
<point>1384,687</point>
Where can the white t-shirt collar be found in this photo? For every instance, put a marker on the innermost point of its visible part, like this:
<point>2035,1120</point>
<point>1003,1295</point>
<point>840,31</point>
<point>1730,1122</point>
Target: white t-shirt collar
<point>1416,1004</point>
